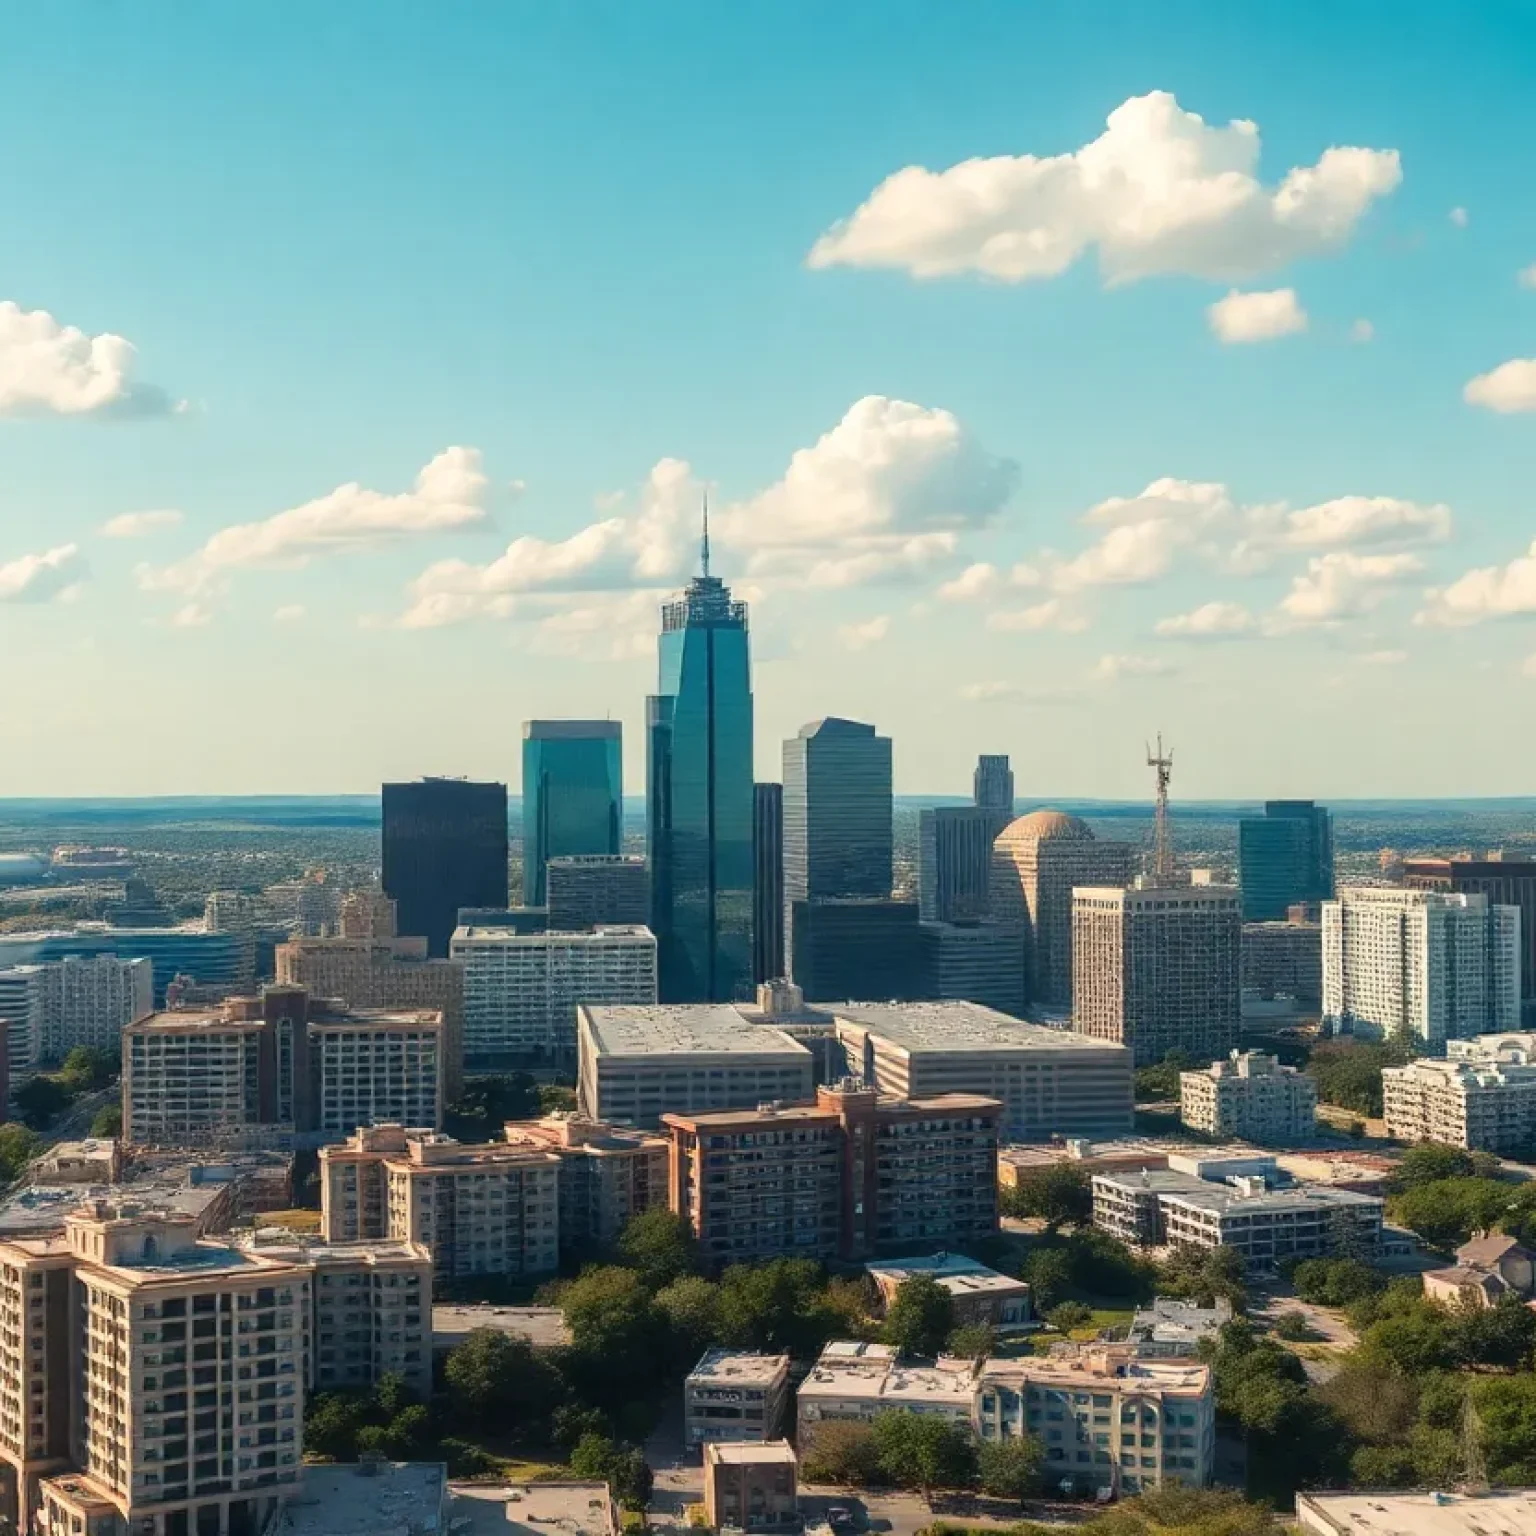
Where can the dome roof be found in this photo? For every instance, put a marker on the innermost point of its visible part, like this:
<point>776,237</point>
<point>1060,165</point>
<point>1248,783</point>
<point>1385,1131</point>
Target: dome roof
<point>1046,825</point>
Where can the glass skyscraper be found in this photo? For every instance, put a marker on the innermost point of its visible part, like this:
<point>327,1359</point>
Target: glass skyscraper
<point>699,796</point>
<point>573,795</point>
<point>1284,857</point>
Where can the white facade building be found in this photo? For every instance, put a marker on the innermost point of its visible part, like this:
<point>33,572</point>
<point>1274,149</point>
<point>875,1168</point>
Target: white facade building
<point>1425,966</point>
<point>521,990</point>
<point>1249,1095</point>
<point>90,999</point>
<point>1482,1096</point>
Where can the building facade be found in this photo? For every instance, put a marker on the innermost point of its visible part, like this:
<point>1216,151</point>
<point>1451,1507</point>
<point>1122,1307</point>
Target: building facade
<point>954,861</point>
<point>1284,859</point>
<point>1284,960</point>
<point>735,1397</point>
<point>751,1487</point>
<point>1481,1095</point>
<point>992,786</point>
<point>856,946</point>
<point>975,962</point>
<point>590,890</point>
<point>573,795</point>
<point>1250,1096</point>
<point>1420,966</point>
<point>1505,879</point>
<point>768,958</point>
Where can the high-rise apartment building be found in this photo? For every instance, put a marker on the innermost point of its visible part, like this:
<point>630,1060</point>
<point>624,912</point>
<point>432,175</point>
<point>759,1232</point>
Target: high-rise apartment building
<point>445,847</point>
<point>1252,1097</point>
<point>1036,862</point>
<point>1481,1096</point>
<point>992,786</point>
<point>954,861</point>
<point>521,989</point>
<point>768,957</point>
<point>368,914</point>
<point>856,946</point>
<point>584,890</point>
<point>699,795</point>
<point>1420,966</point>
<point>850,1175</point>
<point>573,794</point>
<point>1284,857</point>
<point>1157,969</point>
<point>1506,879</point>
<point>21,1012</point>
<point>80,1000</point>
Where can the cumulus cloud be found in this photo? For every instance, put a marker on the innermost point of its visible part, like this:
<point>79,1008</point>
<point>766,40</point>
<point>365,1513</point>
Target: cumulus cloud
<point>1244,317</point>
<point>1159,191</point>
<point>1110,669</point>
<point>1526,276</point>
<point>859,637</point>
<point>193,615</point>
<point>1210,621</point>
<point>1051,614</point>
<point>1145,534</point>
<point>1490,592</point>
<point>1342,584</point>
<point>1350,522</point>
<point>1362,331</point>
<point>42,578</point>
<point>1509,388</point>
<point>1458,217</point>
<point>48,369</point>
<point>138,525</point>
<point>982,580</point>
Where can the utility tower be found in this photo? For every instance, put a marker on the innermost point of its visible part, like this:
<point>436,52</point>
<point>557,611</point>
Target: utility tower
<point>1162,836</point>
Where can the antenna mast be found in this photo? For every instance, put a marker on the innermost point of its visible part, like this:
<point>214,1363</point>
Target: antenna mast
<point>1162,838</point>
<point>704,551</point>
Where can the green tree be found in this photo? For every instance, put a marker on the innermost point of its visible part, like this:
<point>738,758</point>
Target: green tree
<point>972,1341</point>
<point>41,1100</point>
<point>1336,1282</point>
<point>498,1378</point>
<point>622,1467</point>
<point>88,1068</point>
<point>487,1103</point>
<point>921,1316</point>
<point>1060,1195</point>
<point>18,1146</point>
<point>392,1395</point>
<point>1432,1161</point>
<point>1048,1272</point>
<point>1505,1424</point>
<point>556,1099</point>
<point>1372,1400</point>
<point>660,1246</point>
<point>1348,1073</point>
<point>332,1423</point>
<point>618,1336</point>
<point>1204,1275</point>
<point>1449,1211</point>
<point>923,1451</point>
<point>408,1436</point>
<point>691,1307</point>
<point>1067,1315</point>
<point>108,1121</point>
<point>844,1452</point>
<point>1413,1341</point>
<point>1009,1469</point>
<point>1501,1336</point>
<point>779,1305</point>
<point>1159,1083</point>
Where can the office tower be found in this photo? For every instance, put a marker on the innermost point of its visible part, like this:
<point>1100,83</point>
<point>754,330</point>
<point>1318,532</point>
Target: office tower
<point>993,786</point>
<point>573,794</point>
<point>856,947</point>
<point>1249,1096</point>
<point>846,1176</point>
<point>590,889</point>
<point>1157,969</point>
<point>445,847</point>
<point>21,1011</point>
<point>1284,960</point>
<point>1051,1082</point>
<point>1482,1096</point>
<point>1284,857</point>
<point>699,794</point>
<point>837,811</point>
<point>1506,879</point>
<point>972,962</point>
<point>954,861</point>
<point>368,914</point>
<point>768,959</point>
<point>1420,966</point>
<point>1036,862</point>
<point>521,989</point>
<point>383,972</point>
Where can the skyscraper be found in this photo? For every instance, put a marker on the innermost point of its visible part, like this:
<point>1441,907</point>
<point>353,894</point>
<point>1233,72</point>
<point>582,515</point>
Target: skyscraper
<point>767,882</point>
<point>1284,857</point>
<point>1506,879</point>
<point>993,785</point>
<point>954,861</point>
<point>573,794</point>
<point>445,847</point>
<point>699,794</point>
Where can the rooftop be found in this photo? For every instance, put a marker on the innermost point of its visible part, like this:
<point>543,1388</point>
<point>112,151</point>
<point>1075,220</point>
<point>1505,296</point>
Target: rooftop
<point>371,1499</point>
<point>1224,1197</point>
<point>1087,1363</point>
<point>543,1327</point>
<point>962,1026</point>
<point>958,1275</point>
<point>747,1452</point>
<point>1498,1512</point>
<point>513,938</point>
<point>1129,1153</point>
<point>878,1371</point>
<point>738,1368</point>
<point>682,1028</point>
<point>1047,825</point>
<point>531,1509</point>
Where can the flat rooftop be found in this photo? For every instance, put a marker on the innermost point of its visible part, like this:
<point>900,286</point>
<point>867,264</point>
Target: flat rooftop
<point>530,1509</point>
<point>738,1368</point>
<point>543,1327</point>
<point>1499,1512</point>
<point>739,1453</point>
<point>378,1500</point>
<point>681,1029</point>
<point>949,1027</point>
<point>1081,1370</point>
<point>1128,1153</point>
<point>1226,1197</point>
<point>495,933</point>
<point>958,1275</point>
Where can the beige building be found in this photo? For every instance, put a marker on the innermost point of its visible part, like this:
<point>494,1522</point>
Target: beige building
<point>1481,1512</point>
<point>853,1381</point>
<point>1156,969</point>
<point>979,1294</point>
<point>1250,1096</point>
<point>1014,1163</point>
<point>1481,1095</point>
<point>734,1395</point>
<point>1051,1082</point>
<point>751,1487</point>
<point>637,1064</point>
<point>1036,862</point>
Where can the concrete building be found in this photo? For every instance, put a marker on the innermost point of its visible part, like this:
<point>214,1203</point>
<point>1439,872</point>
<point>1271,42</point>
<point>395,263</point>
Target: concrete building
<point>980,1295</point>
<point>638,1063</point>
<point>370,1498</point>
<point>1504,879</point>
<point>1507,1511</point>
<point>1157,969</point>
<point>852,1382</point>
<point>846,1176</point>
<point>484,1209</point>
<point>1171,1329</point>
<point>521,990</point>
<point>1284,858</point>
<point>1481,1095</point>
<point>1105,1416</point>
<point>751,1487</point>
<point>977,962</point>
<point>1036,862</point>
<point>1014,1163</point>
<point>1487,1269</point>
<point>954,861</point>
<point>1051,1082</point>
<point>855,946</point>
<point>1420,966</point>
<point>21,1015</point>
<point>592,890</point>
<point>768,957</point>
<point>1283,960</point>
<point>214,960</point>
<point>1266,1226</point>
<point>1250,1096</point>
<point>88,1000</point>
<point>735,1395</point>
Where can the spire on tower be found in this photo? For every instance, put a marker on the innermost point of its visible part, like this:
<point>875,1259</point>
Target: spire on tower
<point>1162,838</point>
<point>704,550</point>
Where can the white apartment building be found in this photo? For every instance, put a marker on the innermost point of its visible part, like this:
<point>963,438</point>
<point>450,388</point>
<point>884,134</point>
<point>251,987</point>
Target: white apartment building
<point>90,999</point>
<point>376,1066</point>
<point>521,990</point>
<point>1251,1096</point>
<point>855,1381</point>
<point>1426,966</point>
<point>193,1078</point>
<point>1481,1096</point>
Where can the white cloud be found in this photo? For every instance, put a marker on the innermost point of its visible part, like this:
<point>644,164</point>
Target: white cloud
<point>193,615</point>
<point>1362,331</point>
<point>615,626</point>
<point>1111,669</point>
<point>289,613</point>
<point>1210,621</point>
<point>1458,217</point>
<point>1490,592</point>
<point>975,582</point>
<point>902,560</point>
<point>1244,317</point>
<point>138,525</point>
<point>1159,191</point>
<point>1526,276</point>
<point>859,637</point>
<point>1145,533</point>
<point>999,692</point>
<point>1382,658</point>
<point>1508,388</point>
<point>54,574</point>
<point>1528,667</point>
<point>48,369</point>
<point>1051,614</point>
<point>1347,522</point>
<point>1342,584</point>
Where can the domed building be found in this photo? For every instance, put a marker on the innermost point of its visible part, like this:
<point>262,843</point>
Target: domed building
<point>1036,861</point>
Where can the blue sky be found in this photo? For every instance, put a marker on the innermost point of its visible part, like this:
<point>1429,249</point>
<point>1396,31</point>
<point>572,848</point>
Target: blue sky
<point>572,242</point>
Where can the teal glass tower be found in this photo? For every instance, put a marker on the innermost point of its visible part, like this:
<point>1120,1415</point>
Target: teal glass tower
<point>699,795</point>
<point>573,795</point>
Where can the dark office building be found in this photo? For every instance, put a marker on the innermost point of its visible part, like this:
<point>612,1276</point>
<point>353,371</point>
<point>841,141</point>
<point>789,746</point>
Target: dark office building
<point>573,794</point>
<point>993,786</point>
<point>954,861</point>
<point>1507,880</point>
<point>591,888</point>
<point>767,882</point>
<point>863,949</point>
<point>699,796</point>
<point>445,847</point>
<point>973,962</point>
<point>1284,857</point>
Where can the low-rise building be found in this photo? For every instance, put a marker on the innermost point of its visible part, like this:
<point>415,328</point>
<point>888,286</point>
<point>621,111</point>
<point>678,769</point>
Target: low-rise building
<point>1487,1269</point>
<point>855,1381</point>
<point>1172,1329</point>
<point>1015,1162</point>
<point>751,1487</point>
<point>980,1295</point>
<point>367,1498</point>
<point>1249,1095</point>
<point>532,1509</point>
<point>735,1395</point>
<point>1481,1095</point>
<point>1507,1511</point>
<point>1364,1172</point>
